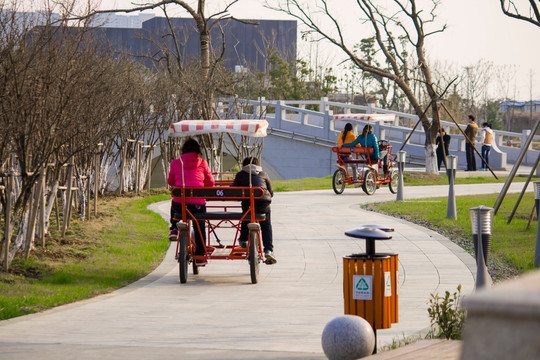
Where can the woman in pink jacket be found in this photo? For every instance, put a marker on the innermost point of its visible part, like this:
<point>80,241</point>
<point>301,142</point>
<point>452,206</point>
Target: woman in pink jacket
<point>190,170</point>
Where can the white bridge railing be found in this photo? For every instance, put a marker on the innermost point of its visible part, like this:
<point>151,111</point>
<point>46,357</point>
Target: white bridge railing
<point>315,119</point>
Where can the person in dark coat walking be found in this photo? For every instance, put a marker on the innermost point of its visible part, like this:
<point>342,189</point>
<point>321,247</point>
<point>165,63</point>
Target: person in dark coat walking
<point>252,174</point>
<point>443,143</point>
<point>470,132</point>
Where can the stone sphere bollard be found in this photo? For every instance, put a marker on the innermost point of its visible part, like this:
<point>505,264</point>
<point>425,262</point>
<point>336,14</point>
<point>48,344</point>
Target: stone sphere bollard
<point>348,337</point>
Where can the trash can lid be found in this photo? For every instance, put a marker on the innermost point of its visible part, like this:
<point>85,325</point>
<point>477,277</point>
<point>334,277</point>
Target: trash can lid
<point>380,227</point>
<point>368,233</point>
<point>364,256</point>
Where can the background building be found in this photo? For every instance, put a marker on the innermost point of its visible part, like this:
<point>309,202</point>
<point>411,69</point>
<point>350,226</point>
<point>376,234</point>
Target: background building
<point>246,43</point>
<point>525,106</point>
<point>121,21</point>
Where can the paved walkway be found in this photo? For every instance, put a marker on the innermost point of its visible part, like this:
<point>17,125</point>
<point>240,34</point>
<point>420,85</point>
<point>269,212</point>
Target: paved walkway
<point>219,314</point>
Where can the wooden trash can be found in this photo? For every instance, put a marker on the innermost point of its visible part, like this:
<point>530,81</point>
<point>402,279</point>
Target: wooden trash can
<point>370,285</point>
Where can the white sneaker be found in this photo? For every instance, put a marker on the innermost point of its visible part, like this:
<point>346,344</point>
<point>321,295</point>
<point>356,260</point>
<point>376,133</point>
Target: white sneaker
<point>269,257</point>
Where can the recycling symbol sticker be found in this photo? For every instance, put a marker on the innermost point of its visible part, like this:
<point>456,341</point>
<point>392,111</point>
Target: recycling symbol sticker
<point>387,284</point>
<point>362,287</point>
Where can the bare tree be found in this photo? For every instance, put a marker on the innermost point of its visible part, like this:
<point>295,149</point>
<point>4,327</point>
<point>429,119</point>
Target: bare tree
<point>208,59</point>
<point>199,80</point>
<point>395,29</point>
<point>449,72</point>
<point>385,90</point>
<point>526,10</point>
<point>475,80</point>
<point>505,76</point>
<point>61,96</point>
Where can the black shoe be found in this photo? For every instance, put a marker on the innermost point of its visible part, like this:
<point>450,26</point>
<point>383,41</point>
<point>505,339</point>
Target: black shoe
<point>173,235</point>
<point>243,244</point>
<point>201,262</point>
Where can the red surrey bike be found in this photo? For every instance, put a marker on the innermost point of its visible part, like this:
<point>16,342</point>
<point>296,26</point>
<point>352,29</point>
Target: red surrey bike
<point>371,173</point>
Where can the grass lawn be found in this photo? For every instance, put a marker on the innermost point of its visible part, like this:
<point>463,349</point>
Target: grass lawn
<point>410,179</point>
<point>124,243</point>
<point>513,244</point>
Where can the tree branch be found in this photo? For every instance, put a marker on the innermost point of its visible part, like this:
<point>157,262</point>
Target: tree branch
<point>533,18</point>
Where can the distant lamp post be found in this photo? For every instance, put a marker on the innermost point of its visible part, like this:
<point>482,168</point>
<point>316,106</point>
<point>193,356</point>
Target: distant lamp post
<point>537,204</point>
<point>401,167</point>
<point>481,221</point>
<point>451,212</point>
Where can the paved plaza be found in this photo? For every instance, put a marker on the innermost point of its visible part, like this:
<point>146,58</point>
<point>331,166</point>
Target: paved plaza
<point>219,314</point>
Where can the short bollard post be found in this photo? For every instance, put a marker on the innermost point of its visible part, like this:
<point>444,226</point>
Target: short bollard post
<point>401,167</point>
<point>537,204</point>
<point>481,220</point>
<point>451,212</point>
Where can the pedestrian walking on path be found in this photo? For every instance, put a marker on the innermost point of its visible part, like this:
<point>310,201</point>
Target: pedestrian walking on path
<point>443,144</point>
<point>487,140</point>
<point>470,132</point>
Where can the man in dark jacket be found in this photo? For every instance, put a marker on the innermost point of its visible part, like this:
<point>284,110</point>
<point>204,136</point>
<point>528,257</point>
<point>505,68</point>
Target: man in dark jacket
<point>470,132</point>
<point>443,143</point>
<point>252,174</point>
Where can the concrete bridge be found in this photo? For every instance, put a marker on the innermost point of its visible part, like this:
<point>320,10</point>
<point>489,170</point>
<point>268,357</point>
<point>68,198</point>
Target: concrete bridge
<point>302,133</point>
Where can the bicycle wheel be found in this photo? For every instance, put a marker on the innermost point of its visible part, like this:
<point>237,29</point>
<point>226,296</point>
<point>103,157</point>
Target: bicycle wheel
<point>183,257</point>
<point>338,181</point>
<point>369,185</point>
<point>253,256</point>
<point>393,185</point>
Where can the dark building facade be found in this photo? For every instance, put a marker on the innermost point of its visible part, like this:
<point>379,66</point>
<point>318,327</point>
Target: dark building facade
<point>246,44</point>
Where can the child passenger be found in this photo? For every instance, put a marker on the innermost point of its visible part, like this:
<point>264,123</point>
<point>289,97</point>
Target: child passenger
<point>347,136</point>
<point>251,169</point>
<point>190,170</point>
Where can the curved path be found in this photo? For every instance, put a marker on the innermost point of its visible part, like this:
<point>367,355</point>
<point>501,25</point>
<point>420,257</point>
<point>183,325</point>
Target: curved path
<point>218,314</point>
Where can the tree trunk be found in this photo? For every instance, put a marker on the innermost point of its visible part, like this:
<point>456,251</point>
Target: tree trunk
<point>32,216</point>
<point>81,194</point>
<point>7,217</point>
<point>205,54</point>
<point>52,198</point>
<point>431,159</point>
<point>18,242</point>
<point>68,198</point>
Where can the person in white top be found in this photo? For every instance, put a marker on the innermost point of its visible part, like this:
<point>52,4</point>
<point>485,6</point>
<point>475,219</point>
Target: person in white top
<point>487,140</point>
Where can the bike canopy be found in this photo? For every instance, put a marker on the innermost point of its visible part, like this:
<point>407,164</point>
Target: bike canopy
<point>365,117</point>
<point>251,127</point>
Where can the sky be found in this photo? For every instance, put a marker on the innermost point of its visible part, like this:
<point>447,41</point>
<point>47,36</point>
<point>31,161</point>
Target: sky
<point>477,31</point>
